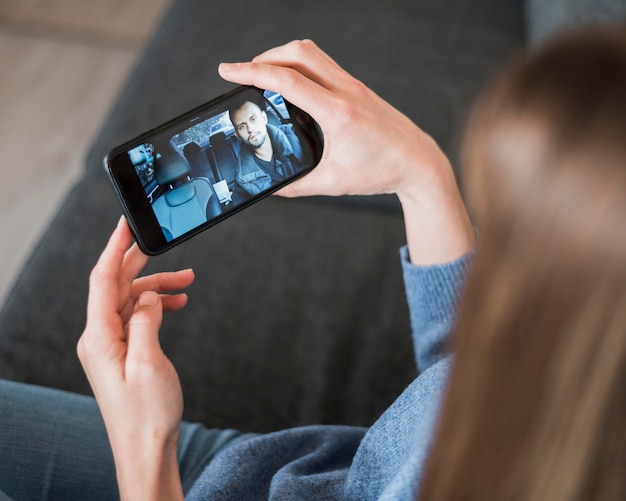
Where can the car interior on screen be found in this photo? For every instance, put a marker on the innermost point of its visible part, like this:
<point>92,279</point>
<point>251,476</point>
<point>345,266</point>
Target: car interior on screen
<point>190,176</point>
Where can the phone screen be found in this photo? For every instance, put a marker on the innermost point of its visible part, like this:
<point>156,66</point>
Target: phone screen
<point>202,167</point>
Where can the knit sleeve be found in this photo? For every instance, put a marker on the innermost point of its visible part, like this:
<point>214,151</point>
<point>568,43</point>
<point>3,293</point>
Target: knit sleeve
<point>432,294</point>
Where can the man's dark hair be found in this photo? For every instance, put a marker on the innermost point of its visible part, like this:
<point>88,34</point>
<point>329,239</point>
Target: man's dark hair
<point>250,96</point>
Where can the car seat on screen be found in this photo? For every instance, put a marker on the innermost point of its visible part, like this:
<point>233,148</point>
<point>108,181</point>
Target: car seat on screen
<point>224,155</point>
<point>186,202</point>
<point>199,162</point>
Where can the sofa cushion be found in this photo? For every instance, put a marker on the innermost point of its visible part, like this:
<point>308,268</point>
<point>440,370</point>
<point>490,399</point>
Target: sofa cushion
<point>298,312</point>
<point>427,57</point>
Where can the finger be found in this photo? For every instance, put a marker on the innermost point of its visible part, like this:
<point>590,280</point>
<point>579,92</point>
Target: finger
<point>290,83</point>
<point>163,282</point>
<point>174,302</point>
<point>103,281</point>
<point>299,188</point>
<point>322,180</point>
<point>306,44</point>
<point>308,59</point>
<point>134,262</point>
<point>143,331</point>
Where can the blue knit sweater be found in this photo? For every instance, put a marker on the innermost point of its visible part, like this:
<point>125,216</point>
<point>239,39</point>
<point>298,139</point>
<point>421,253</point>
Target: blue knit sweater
<point>340,462</point>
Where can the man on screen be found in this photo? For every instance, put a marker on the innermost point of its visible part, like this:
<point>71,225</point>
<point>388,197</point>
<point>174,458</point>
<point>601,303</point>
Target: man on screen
<point>268,153</point>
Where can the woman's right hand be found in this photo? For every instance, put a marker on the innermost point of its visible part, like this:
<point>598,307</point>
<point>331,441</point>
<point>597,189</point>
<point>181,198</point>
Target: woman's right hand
<point>370,147</point>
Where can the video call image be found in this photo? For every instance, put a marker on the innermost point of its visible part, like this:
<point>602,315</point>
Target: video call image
<point>218,163</point>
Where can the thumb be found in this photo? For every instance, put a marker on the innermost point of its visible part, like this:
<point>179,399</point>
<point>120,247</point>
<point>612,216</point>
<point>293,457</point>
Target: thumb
<point>143,329</point>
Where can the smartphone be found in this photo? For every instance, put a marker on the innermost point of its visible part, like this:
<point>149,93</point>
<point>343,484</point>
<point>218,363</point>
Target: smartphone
<point>196,170</point>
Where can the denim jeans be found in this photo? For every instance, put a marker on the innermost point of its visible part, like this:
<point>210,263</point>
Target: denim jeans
<point>53,445</point>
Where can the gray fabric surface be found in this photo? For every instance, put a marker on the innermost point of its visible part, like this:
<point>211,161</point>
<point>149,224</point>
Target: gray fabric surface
<point>549,18</point>
<point>266,306</point>
<point>427,57</point>
<point>298,312</point>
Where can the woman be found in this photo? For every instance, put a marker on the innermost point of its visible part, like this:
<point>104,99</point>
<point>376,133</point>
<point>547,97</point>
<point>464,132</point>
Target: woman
<point>371,148</point>
<point>536,407</point>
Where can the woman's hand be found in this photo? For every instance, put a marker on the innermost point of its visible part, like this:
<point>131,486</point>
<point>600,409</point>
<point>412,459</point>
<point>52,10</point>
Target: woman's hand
<point>136,386</point>
<point>370,147</point>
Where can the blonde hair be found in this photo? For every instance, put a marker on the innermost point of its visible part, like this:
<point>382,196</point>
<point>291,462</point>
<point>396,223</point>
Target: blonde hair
<point>536,403</point>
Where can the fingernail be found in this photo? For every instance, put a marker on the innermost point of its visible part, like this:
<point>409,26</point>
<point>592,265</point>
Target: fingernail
<point>227,67</point>
<point>148,298</point>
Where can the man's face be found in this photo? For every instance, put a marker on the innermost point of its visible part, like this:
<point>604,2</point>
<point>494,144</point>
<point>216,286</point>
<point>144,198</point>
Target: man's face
<point>250,124</point>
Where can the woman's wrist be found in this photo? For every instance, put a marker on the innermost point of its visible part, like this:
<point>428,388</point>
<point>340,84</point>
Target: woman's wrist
<point>148,470</point>
<point>438,227</point>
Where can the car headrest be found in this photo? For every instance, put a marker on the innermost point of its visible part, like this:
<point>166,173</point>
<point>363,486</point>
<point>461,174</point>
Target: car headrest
<point>168,169</point>
<point>191,148</point>
<point>218,138</point>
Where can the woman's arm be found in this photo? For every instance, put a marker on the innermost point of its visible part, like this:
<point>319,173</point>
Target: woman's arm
<point>136,386</point>
<point>370,148</point>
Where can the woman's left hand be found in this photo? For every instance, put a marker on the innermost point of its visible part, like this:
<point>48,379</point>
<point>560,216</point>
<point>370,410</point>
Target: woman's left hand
<point>135,384</point>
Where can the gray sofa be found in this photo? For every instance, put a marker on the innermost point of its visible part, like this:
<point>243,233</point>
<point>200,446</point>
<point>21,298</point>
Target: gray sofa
<point>298,312</point>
